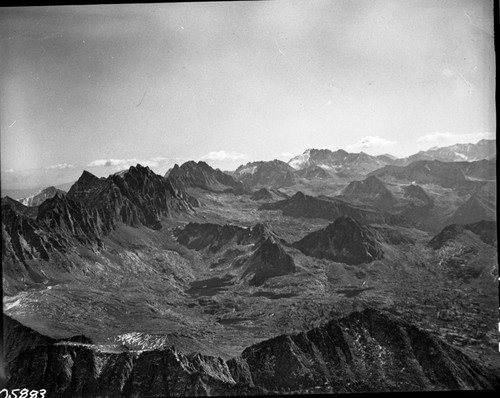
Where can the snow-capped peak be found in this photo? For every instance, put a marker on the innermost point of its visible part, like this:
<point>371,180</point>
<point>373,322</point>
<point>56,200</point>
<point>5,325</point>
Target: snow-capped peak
<point>301,161</point>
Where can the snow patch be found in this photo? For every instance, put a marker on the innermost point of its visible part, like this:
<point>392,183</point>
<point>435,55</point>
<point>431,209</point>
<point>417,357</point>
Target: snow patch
<point>301,161</point>
<point>248,170</point>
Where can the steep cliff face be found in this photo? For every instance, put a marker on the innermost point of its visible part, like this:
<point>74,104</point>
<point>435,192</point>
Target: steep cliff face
<point>365,351</point>
<point>345,240</point>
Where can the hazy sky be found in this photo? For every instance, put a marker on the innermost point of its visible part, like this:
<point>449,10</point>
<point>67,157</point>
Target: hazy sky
<point>101,87</point>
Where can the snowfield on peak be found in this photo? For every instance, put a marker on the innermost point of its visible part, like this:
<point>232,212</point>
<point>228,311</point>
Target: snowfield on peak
<point>300,161</point>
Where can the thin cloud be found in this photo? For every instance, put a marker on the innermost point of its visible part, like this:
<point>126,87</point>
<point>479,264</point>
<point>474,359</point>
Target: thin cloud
<point>220,156</point>
<point>371,142</point>
<point>456,138</point>
<point>152,163</point>
<point>113,163</point>
<point>60,166</point>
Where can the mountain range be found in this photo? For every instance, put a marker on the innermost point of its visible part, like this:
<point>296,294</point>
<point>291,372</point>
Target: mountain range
<point>335,272</point>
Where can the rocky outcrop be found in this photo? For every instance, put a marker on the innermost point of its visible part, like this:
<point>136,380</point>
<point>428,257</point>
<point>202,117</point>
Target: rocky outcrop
<point>366,351</point>
<point>345,240</point>
<point>201,175</point>
<point>300,205</point>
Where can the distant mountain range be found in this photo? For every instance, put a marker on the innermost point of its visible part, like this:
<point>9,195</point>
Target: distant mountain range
<point>342,161</point>
<point>484,149</point>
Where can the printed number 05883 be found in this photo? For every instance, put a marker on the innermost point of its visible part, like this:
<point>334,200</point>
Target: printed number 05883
<point>24,393</point>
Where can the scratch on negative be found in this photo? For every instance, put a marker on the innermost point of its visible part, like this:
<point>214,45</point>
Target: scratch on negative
<point>140,102</point>
<point>278,47</point>
<point>469,84</point>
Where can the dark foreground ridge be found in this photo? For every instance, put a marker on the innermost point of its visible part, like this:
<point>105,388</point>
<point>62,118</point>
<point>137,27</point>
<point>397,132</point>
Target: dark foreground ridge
<point>365,351</point>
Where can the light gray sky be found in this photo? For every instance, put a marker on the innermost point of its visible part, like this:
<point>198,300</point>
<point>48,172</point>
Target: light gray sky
<point>101,87</point>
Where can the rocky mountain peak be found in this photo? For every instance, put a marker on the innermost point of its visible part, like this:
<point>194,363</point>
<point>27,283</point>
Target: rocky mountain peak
<point>345,240</point>
<point>267,261</point>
